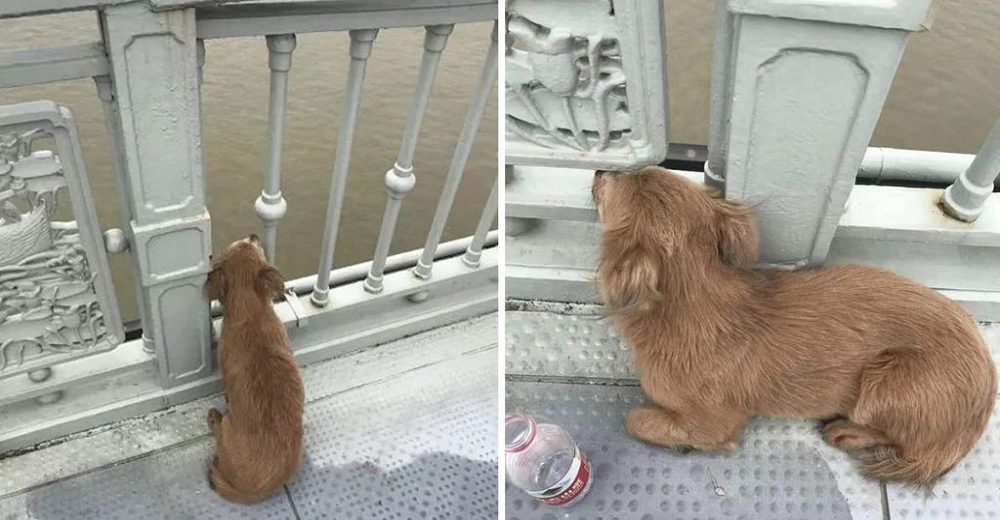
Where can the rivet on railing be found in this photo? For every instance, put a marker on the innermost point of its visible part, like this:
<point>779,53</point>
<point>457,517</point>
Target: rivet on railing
<point>459,160</point>
<point>475,250</point>
<point>40,375</point>
<point>361,48</point>
<point>964,199</point>
<point>418,297</point>
<point>270,206</point>
<point>115,241</point>
<point>400,179</point>
<point>49,398</point>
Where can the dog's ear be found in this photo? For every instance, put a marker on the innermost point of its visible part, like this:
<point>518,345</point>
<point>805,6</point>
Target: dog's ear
<point>270,283</point>
<point>737,234</point>
<point>628,280</point>
<point>215,284</point>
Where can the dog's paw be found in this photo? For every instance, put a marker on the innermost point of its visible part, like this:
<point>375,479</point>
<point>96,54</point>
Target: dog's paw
<point>214,417</point>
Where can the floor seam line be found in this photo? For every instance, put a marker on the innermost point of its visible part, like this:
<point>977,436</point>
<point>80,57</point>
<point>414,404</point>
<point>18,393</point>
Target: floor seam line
<point>126,460</point>
<point>291,502</point>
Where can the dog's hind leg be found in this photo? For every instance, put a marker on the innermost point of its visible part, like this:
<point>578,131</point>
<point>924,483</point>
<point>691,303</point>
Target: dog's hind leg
<point>666,428</point>
<point>852,437</point>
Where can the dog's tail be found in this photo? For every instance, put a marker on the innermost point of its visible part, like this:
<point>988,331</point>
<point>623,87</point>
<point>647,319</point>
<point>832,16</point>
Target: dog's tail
<point>884,463</point>
<point>229,492</point>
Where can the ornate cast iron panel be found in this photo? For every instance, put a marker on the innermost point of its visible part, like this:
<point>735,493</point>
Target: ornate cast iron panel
<point>586,83</point>
<point>56,298</point>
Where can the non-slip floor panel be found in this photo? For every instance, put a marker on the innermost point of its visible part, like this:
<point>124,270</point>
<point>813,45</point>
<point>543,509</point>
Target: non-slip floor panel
<point>404,430</point>
<point>422,445</point>
<point>783,470</point>
<point>168,485</point>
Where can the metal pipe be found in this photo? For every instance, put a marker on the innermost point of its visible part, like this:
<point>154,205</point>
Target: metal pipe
<point>361,48</point>
<point>964,199</point>
<point>400,180</point>
<point>475,250</point>
<point>459,160</point>
<point>270,205</point>
<point>891,164</point>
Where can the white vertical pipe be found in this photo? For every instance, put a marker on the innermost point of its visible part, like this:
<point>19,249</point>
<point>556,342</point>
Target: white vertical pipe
<point>475,250</point>
<point>459,160</point>
<point>964,199</point>
<point>105,91</point>
<point>270,205</point>
<point>400,180</point>
<point>361,48</point>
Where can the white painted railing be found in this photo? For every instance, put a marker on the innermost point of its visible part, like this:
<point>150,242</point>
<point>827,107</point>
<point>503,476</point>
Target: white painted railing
<point>147,70</point>
<point>797,89</point>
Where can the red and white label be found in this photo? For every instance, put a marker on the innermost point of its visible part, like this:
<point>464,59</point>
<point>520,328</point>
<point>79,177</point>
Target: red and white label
<point>576,482</point>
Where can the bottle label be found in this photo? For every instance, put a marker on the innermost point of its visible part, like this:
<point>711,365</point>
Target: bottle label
<point>575,482</point>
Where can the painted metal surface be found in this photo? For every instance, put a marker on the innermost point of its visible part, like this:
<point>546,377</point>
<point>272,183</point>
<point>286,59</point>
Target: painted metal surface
<point>361,48</point>
<point>275,16</point>
<point>154,65</point>
<point>271,205</point>
<point>56,298</point>
<point>400,179</point>
<point>797,90</point>
<point>965,198</point>
<point>34,66</point>
<point>585,83</point>
<point>475,250</point>
<point>457,167</point>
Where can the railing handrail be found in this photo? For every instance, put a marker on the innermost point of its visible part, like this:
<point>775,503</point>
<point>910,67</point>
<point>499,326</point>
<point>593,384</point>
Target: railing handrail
<point>23,8</point>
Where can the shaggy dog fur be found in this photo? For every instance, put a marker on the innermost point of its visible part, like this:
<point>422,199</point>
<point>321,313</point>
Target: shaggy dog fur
<point>259,442</point>
<point>899,373</point>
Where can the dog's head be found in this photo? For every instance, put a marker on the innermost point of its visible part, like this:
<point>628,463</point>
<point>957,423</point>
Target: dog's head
<point>658,225</point>
<point>243,266</point>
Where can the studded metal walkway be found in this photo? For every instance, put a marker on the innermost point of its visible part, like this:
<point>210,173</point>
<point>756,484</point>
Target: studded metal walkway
<point>565,363</point>
<point>404,430</point>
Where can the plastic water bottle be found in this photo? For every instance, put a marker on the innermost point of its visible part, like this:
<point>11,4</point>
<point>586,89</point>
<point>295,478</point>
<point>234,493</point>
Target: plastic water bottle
<point>543,460</point>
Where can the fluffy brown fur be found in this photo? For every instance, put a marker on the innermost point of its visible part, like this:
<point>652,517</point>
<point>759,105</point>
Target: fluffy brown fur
<point>259,442</point>
<point>898,371</point>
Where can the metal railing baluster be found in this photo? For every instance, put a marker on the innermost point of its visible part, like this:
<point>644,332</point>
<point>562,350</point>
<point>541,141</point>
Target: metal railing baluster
<point>475,250</point>
<point>459,160</point>
<point>400,179</point>
<point>361,48</point>
<point>271,205</point>
<point>964,199</point>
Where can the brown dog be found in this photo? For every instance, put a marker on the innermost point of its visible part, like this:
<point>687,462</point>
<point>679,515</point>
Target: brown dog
<point>259,442</point>
<point>899,371</point>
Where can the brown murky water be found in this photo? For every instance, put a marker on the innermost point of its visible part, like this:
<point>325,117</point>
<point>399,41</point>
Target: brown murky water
<point>235,97</point>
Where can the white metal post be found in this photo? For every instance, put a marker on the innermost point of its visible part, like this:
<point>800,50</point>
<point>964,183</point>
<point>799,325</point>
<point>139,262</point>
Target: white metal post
<point>154,58</point>
<point>487,81</point>
<point>796,93</point>
<point>271,205</point>
<point>400,179</point>
<point>361,49</point>
<point>964,199</point>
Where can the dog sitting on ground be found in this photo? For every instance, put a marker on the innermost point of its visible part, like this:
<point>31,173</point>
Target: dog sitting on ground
<point>259,440</point>
<point>898,373</point>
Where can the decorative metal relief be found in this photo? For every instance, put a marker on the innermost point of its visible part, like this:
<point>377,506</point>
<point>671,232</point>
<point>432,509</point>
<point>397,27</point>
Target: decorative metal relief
<point>56,298</point>
<point>586,83</point>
